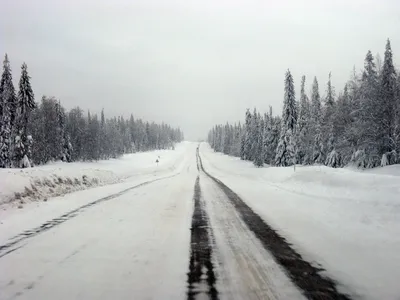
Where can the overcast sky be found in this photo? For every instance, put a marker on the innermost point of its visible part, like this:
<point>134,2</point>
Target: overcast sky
<point>190,63</point>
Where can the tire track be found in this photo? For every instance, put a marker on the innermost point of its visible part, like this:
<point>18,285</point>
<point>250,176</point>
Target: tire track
<point>201,278</point>
<point>308,278</point>
<point>13,243</point>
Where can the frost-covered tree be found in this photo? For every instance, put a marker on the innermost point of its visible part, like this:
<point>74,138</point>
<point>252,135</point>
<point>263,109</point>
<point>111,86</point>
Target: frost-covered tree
<point>266,135</point>
<point>69,136</point>
<point>286,149</point>
<point>387,109</point>
<point>237,136</point>
<point>397,122</point>
<point>8,103</point>
<point>361,126</point>
<point>367,114</point>
<point>26,103</point>
<point>247,136</point>
<point>316,120</point>
<point>253,134</point>
<point>8,91</point>
<point>328,126</point>
<point>258,151</point>
<point>303,127</point>
<point>5,137</point>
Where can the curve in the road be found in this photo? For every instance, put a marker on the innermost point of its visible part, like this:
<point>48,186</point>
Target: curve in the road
<point>14,242</point>
<point>308,278</point>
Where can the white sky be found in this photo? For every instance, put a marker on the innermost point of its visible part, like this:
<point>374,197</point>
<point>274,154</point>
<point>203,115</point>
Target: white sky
<point>186,62</point>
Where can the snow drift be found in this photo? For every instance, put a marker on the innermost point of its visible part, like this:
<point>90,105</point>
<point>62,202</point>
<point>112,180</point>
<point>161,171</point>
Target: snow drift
<point>18,186</point>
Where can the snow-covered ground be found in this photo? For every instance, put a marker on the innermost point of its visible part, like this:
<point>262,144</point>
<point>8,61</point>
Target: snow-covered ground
<point>347,220</point>
<point>132,247</point>
<point>131,170</point>
<point>58,178</point>
<point>136,243</point>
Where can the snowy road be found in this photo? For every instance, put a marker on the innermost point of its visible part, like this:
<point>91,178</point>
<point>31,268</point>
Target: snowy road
<point>182,235</point>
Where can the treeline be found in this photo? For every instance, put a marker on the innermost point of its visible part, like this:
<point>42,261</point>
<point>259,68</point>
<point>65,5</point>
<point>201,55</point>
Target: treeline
<point>360,126</point>
<point>35,133</point>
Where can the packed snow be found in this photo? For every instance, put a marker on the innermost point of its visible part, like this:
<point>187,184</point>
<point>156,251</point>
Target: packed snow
<point>133,247</point>
<point>347,220</point>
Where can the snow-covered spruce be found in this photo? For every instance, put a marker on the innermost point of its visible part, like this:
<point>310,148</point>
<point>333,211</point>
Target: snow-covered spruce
<point>7,116</point>
<point>359,126</point>
<point>35,133</point>
<point>286,150</point>
<point>26,103</point>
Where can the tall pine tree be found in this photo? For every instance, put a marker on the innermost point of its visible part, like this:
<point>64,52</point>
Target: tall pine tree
<point>258,151</point>
<point>316,118</point>
<point>26,103</point>
<point>8,100</point>
<point>286,150</point>
<point>387,110</point>
<point>303,126</point>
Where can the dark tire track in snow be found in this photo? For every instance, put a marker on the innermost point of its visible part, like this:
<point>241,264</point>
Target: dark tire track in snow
<point>308,278</point>
<point>16,240</point>
<point>201,278</point>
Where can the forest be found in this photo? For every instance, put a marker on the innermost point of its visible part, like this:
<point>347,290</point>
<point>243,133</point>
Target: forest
<point>359,126</point>
<point>34,133</point>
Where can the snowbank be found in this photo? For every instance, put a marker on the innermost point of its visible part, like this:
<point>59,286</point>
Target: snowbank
<point>347,220</point>
<point>18,186</point>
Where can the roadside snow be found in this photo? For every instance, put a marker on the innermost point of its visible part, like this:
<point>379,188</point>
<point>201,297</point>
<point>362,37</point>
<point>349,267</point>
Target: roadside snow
<point>135,246</point>
<point>18,186</point>
<point>14,221</point>
<point>346,220</point>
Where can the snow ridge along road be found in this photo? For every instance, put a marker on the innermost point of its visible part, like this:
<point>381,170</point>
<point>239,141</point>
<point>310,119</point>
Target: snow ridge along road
<point>305,276</point>
<point>13,243</point>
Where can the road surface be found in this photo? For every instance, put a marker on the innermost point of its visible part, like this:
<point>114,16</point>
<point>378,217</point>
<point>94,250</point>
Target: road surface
<point>183,235</point>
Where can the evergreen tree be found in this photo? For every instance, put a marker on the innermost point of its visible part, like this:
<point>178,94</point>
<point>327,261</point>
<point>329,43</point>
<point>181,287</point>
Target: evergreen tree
<point>7,90</point>
<point>237,140</point>
<point>387,93</point>
<point>243,144</point>
<point>253,134</point>
<point>397,123</point>
<point>26,103</point>
<point>328,125</point>
<point>368,120</point>
<point>266,136</point>
<point>248,136</point>
<point>271,143</point>
<point>286,150</point>
<point>258,151</point>
<point>316,130</point>
<point>342,120</point>
<point>61,134</point>
<point>303,126</point>
<point>8,100</point>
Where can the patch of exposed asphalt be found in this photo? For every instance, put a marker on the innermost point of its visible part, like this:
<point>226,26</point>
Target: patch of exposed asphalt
<point>201,278</point>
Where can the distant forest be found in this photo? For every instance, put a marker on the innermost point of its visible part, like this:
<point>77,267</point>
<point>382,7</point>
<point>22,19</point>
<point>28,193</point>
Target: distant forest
<point>359,126</point>
<point>34,133</point>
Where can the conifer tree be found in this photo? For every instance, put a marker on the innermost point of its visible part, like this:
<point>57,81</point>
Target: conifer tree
<point>286,149</point>
<point>316,130</point>
<point>8,100</point>
<point>387,111</point>
<point>247,136</point>
<point>303,126</point>
<point>26,103</point>
<point>259,153</point>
